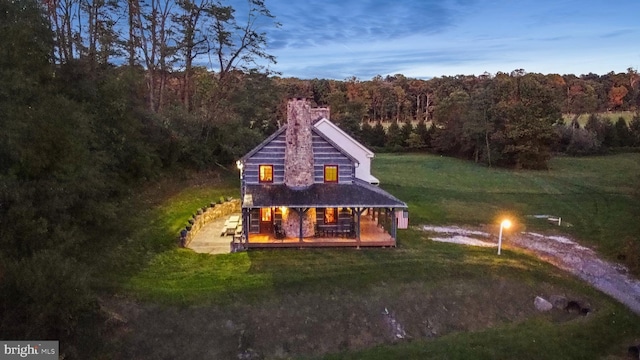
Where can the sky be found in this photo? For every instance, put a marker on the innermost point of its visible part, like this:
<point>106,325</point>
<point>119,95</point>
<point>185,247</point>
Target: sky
<point>339,39</point>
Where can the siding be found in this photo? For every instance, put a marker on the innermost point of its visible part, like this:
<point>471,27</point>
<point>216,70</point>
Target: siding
<point>270,154</point>
<point>323,154</point>
<point>254,221</point>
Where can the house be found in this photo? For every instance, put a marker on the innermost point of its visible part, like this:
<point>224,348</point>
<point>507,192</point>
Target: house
<point>351,146</point>
<point>301,188</point>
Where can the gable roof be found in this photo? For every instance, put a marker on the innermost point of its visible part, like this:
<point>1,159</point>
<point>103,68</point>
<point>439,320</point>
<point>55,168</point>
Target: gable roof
<point>357,194</point>
<point>264,143</point>
<point>344,134</point>
<point>333,143</point>
<point>282,129</point>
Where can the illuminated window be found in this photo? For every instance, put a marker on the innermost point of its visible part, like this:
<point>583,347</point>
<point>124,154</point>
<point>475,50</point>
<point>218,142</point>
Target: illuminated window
<point>265,214</point>
<point>330,215</point>
<point>331,173</point>
<point>266,173</point>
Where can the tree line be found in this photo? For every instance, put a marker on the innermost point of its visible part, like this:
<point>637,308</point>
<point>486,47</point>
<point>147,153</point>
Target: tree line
<point>229,101</point>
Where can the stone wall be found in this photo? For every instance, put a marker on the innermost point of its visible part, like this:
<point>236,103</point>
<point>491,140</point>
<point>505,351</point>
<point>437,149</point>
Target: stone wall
<point>209,214</point>
<point>320,112</point>
<point>291,223</point>
<point>298,156</point>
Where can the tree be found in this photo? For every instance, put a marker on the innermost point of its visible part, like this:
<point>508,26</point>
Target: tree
<point>239,46</point>
<point>405,132</point>
<point>53,188</point>
<point>479,126</point>
<point>423,133</point>
<point>378,135</point>
<point>528,133</point>
<point>394,139</point>
<point>616,96</point>
<point>449,118</point>
<point>61,14</point>
<point>634,130</point>
<point>581,98</point>
<point>154,30</point>
<point>623,133</point>
<point>193,41</point>
<point>366,134</point>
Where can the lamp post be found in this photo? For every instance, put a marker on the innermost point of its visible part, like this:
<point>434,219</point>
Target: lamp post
<point>505,224</point>
<point>240,165</point>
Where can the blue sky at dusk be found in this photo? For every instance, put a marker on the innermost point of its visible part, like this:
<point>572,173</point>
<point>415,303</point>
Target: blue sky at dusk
<point>336,39</point>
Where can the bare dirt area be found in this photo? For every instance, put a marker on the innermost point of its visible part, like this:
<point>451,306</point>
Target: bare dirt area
<point>561,251</point>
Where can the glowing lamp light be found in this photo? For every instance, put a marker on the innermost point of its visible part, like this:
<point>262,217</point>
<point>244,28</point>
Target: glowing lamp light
<point>505,224</point>
<point>240,165</point>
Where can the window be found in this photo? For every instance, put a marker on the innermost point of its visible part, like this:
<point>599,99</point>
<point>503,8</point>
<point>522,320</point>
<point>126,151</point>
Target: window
<point>330,215</point>
<point>331,173</point>
<point>265,214</point>
<point>266,173</point>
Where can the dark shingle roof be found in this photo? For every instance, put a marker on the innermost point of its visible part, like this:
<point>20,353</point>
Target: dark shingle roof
<point>358,194</point>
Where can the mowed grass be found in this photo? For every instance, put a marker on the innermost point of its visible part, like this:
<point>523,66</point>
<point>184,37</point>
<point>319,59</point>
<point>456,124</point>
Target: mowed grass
<point>598,196</point>
<point>612,115</point>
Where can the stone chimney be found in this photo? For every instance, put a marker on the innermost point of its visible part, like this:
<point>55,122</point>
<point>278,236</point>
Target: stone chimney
<point>320,112</point>
<point>298,155</point>
<point>298,165</point>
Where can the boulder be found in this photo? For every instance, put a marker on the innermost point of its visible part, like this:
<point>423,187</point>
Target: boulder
<point>542,304</point>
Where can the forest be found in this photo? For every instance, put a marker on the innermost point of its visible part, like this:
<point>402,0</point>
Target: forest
<point>98,98</point>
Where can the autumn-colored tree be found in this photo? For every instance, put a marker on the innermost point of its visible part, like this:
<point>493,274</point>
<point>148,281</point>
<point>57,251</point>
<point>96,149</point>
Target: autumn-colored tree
<point>616,95</point>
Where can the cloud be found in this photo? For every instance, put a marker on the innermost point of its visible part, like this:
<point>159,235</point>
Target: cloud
<point>306,24</point>
<point>337,39</point>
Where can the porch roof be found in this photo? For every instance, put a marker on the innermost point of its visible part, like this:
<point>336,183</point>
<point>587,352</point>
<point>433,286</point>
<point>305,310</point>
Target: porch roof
<point>357,194</point>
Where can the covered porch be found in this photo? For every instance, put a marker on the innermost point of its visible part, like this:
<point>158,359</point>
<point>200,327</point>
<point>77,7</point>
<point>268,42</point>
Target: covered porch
<point>355,214</point>
<point>372,234</point>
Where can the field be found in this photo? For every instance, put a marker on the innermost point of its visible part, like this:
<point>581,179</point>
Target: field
<point>612,115</point>
<point>451,301</point>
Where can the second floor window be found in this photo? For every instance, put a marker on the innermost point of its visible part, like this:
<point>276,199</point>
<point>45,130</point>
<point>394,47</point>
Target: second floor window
<point>266,173</point>
<point>331,173</point>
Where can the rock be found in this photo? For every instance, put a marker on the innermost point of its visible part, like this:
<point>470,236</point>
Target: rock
<point>542,304</point>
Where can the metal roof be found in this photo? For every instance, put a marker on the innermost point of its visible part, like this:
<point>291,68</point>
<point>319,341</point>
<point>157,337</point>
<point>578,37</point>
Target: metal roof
<point>322,195</point>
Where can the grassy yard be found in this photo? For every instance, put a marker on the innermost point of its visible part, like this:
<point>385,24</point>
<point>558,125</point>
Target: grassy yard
<point>612,115</point>
<point>597,196</point>
<point>453,301</point>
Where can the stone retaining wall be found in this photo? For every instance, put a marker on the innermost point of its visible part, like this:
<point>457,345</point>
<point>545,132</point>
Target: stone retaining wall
<point>203,217</point>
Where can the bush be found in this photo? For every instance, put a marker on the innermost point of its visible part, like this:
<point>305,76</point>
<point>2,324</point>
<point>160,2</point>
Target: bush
<point>49,297</point>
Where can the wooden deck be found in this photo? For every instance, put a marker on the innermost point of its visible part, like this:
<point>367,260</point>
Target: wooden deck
<point>371,235</point>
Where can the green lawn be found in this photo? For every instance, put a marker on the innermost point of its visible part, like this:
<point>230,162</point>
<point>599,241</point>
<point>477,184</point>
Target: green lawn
<point>613,116</point>
<point>486,299</point>
<point>598,196</point>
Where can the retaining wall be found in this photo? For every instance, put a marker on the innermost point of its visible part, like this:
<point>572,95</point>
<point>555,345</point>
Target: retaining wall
<point>204,216</point>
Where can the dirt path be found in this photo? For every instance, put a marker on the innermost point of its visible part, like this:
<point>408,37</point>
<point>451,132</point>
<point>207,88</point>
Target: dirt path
<point>563,252</point>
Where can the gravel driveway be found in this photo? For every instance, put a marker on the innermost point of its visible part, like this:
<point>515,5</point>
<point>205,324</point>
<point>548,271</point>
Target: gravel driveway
<point>563,252</point>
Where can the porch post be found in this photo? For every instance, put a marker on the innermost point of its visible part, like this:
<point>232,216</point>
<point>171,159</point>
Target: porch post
<point>394,224</point>
<point>359,212</point>
<point>301,213</point>
<point>246,213</point>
